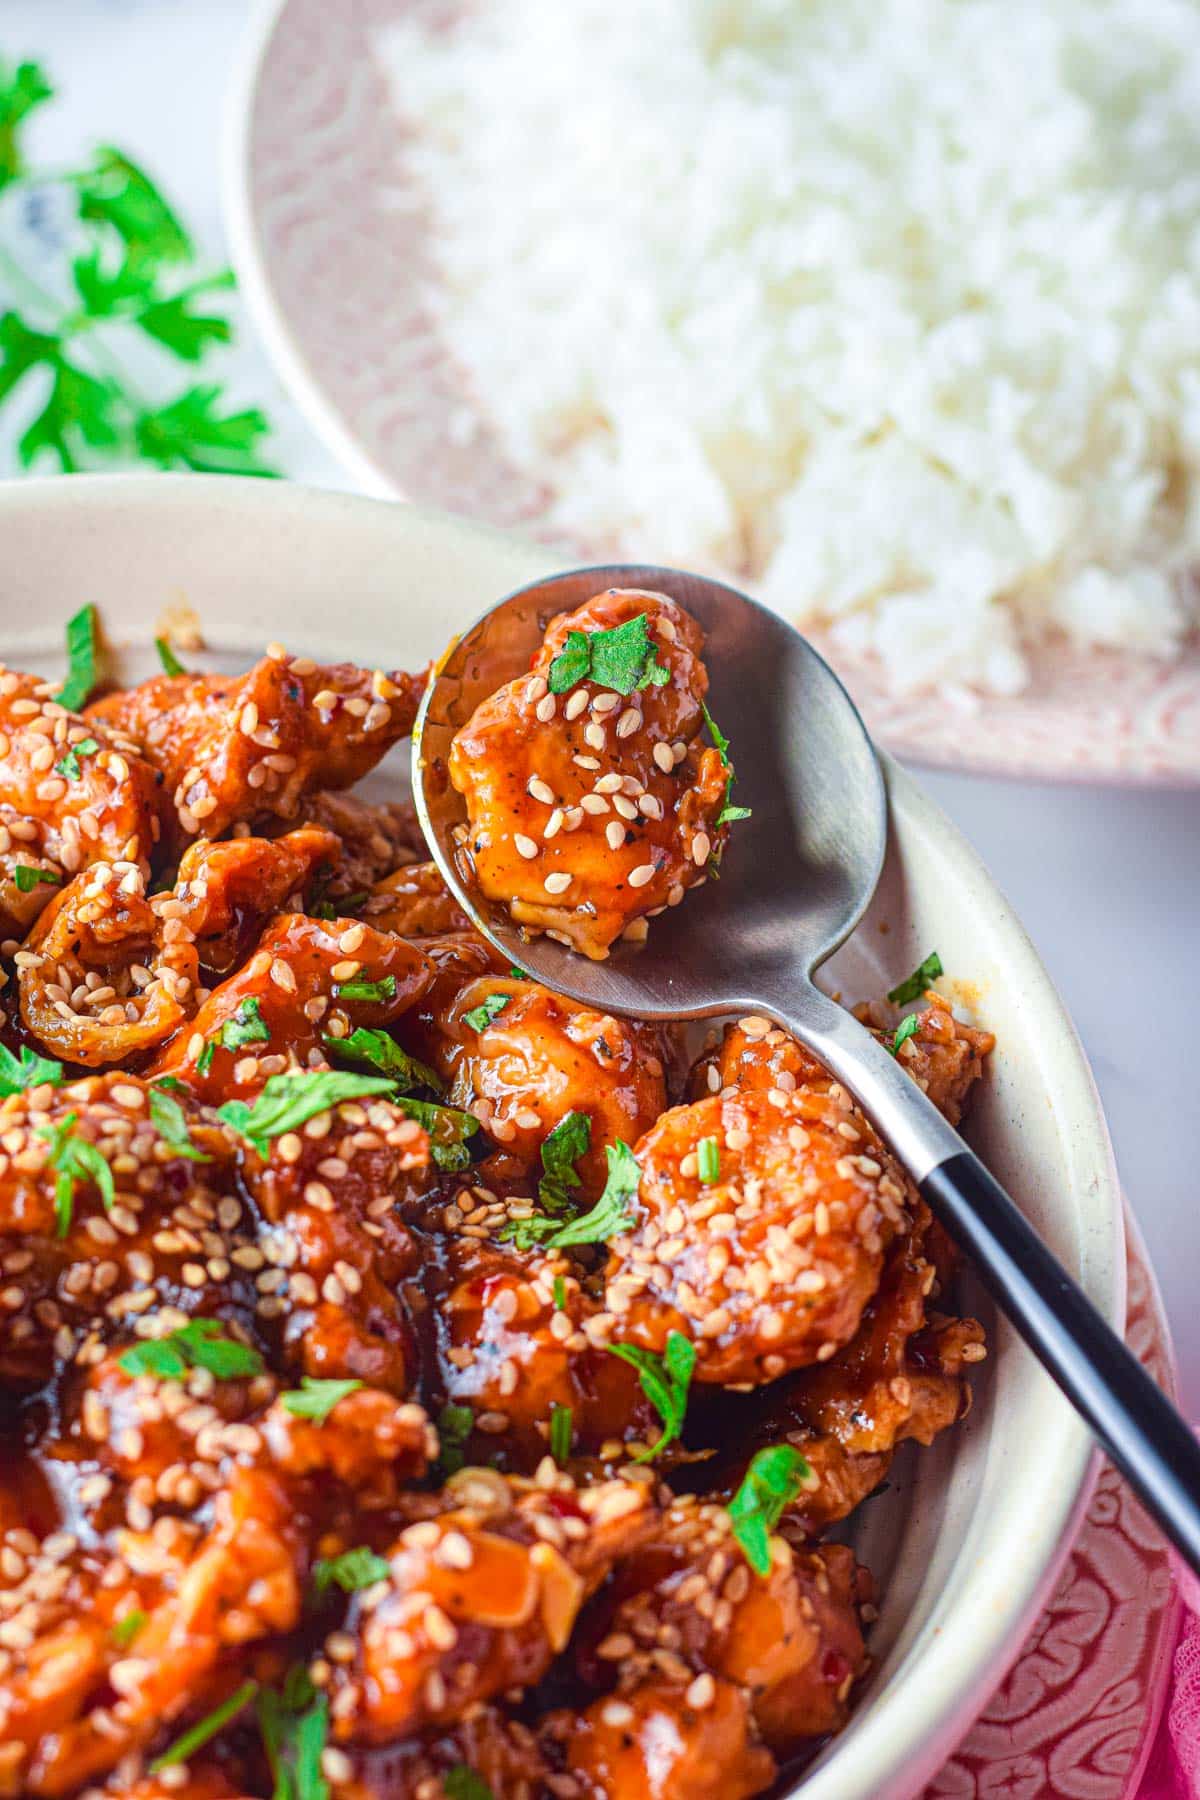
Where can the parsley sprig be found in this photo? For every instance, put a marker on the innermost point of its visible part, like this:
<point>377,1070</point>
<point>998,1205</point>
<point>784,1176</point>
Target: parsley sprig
<point>770,1484</point>
<point>200,1344</point>
<point>127,279</point>
<point>608,1218</point>
<point>352,1570</point>
<point>247,1026</point>
<point>623,658</point>
<point>289,1100</point>
<point>29,1070</point>
<point>561,1151</point>
<point>74,1160</point>
<point>315,1399</point>
<point>665,1381</point>
<point>481,1016</point>
<point>918,981</point>
<point>376,1050</point>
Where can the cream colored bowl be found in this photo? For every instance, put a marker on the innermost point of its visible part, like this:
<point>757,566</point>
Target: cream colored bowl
<point>967,1541</point>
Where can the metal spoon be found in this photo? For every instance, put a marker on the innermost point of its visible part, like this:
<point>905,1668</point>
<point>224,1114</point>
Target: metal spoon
<point>799,878</point>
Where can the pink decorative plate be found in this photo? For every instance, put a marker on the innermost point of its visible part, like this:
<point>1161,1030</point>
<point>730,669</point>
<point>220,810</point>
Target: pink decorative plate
<point>1076,1717</point>
<point>328,238</point>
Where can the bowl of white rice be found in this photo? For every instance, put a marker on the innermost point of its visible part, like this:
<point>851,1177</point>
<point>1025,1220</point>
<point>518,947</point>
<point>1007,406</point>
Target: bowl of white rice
<point>888,310</point>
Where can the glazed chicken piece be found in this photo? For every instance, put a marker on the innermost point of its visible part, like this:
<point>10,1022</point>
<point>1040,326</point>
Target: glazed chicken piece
<point>237,747</point>
<point>377,837</point>
<point>480,1599</point>
<point>414,902</point>
<point>591,805</point>
<point>108,974</point>
<point>759,1231</point>
<point>512,1353</point>
<point>498,1751</point>
<point>686,1604</point>
<point>658,1739</point>
<point>71,794</point>
<point>309,980</point>
<point>520,1058</point>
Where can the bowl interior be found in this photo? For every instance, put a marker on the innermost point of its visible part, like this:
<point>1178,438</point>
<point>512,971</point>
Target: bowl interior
<point>968,1539</point>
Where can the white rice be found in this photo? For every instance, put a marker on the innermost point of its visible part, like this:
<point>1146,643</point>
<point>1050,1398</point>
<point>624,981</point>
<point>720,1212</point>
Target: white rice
<point>889,307</point>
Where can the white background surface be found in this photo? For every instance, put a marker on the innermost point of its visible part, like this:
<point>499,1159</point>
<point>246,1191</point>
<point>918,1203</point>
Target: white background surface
<point>1107,882</point>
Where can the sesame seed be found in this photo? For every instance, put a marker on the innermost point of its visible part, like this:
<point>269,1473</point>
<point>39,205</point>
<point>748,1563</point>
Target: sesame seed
<point>558,882</point>
<point>625,807</point>
<point>594,803</point>
<point>554,823</point>
<point>638,877</point>
<point>628,722</point>
<point>593,735</point>
<point>701,847</point>
<point>541,790</point>
<point>614,831</point>
<point>525,846</point>
<point>546,708</point>
<point>576,704</point>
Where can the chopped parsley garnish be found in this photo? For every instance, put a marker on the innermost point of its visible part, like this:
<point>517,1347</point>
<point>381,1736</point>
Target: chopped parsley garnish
<point>83,659</point>
<point>717,735</point>
<point>728,813</point>
<point>517,974</point>
<point>353,1569</point>
<point>294,1725</point>
<point>288,1100</point>
<point>342,907</point>
<point>126,1628</point>
<point>560,1294</point>
<point>462,1783</point>
<point>455,1425</point>
<point>480,1017</point>
<point>167,657</point>
<point>608,1218</point>
<point>918,981</point>
<point>447,1129</point>
<point>167,1118</point>
<point>69,764</point>
<point>200,1344</point>
<point>770,1484</point>
<point>623,658</point>
<point>247,1026</point>
<point>561,1151</point>
<point>907,1028</point>
<point>74,1160</point>
<point>315,1399</point>
<point>383,989</point>
<point>27,877</point>
<point>27,1071</point>
<point>562,1430</point>
<point>708,1160</point>
<point>376,1050</point>
<point>665,1381</point>
<point>208,1727</point>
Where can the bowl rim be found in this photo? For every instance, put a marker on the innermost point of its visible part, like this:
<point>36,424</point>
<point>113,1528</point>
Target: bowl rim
<point>898,1745</point>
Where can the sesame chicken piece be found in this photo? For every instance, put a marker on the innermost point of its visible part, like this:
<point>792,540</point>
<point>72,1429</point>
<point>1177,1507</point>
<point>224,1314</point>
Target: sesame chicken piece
<point>414,902</point>
<point>686,1603</point>
<point>499,1751</point>
<point>71,794</point>
<point>658,1739</point>
<point>481,1599</point>
<point>944,1057</point>
<point>107,974</point>
<point>511,1354</point>
<point>377,837</point>
<point>295,979</point>
<point>236,747</point>
<point>539,1058</point>
<point>760,1229</point>
<point>589,809</point>
<point>369,1442</point>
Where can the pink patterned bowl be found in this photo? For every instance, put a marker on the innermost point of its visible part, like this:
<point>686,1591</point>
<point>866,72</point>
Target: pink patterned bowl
<point>968,1541</point>
<point>329,242</point>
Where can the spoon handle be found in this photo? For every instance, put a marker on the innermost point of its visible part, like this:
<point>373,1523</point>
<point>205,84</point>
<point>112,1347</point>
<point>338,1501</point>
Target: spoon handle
<point>1132,1418</point>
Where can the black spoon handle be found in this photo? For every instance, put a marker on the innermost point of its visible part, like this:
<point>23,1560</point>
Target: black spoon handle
<point>1145,1436</point>
<point>1143,1433</point>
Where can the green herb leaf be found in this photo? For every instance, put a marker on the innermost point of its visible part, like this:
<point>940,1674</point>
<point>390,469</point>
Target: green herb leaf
<point>455,1425</point>
<point>200,1344</point>
<point>517,974</point>
<point>74,1160</point>
<point>480,1017</point>
<point>907,1028</point>
<point>717,735</point>
<point>562,1431</point>
<point>665,1381</point>
<point>918,981</point>
<point>81,412</point>
<point>114,191</point>
<point>623,658</point>
<point>127,1627</point>
<point>728,815</point>
<point>294,1726</point>
<point>560,1294</point>
<point>770,1484</point>
<point>288,1100</point>
<point>27,877</point>
<point>708,1160</point>
<point>352,1570</point>
<point>107,292</point>
<point>69,765</point>
<point>190,433</point>
<point>247,1026</point>
<point>315,1399</point>
<point>376,1050</point>
<point>167,657</point>
<point>28,1071</point>
<point>170,1122</point>
<point>83,658</point>
<point>345,905</point>
<point>185,333</point>
<point>568,1141</point>
<point>21,90</point>
<point>462,1783</point>
<point>208,1727</point>
<point>608,1218</point>
<point>384,989</point>
<point>447,1129</point>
